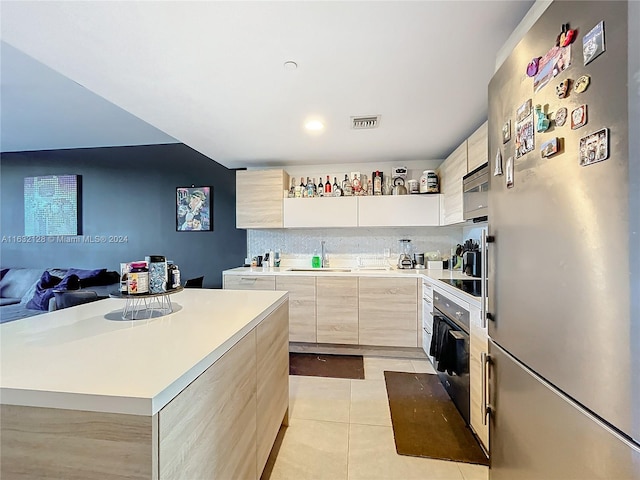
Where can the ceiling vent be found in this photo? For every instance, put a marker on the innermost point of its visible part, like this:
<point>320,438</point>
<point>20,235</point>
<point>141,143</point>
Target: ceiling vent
<point>362,123</point>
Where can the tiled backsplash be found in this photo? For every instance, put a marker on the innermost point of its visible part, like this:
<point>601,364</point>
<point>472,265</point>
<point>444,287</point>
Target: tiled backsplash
<point>352,241</point>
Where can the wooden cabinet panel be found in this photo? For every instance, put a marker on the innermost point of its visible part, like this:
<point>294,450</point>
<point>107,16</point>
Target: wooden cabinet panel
<point>337,310</point>
<point>399,210</point>
<point>477,148</point>
<point>272,353</point>
<point>209,429</point>
<point>56,443</point>
<point>479,343</point>
<point>259,195</point>
<point>321,212</point>
<point>302,306</point>
<point>388,311</point>
<point>249,282</point>
<point>451,172</point>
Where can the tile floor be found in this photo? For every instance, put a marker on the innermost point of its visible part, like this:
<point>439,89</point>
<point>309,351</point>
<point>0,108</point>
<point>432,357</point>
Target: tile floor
<point>340,429</point>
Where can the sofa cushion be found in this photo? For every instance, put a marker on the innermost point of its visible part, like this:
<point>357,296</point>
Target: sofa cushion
<point>44,291</point>
<point>17,281</point>
<point>8,301</point>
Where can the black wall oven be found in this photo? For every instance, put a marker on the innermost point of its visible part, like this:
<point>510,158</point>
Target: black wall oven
<point>450,349</point>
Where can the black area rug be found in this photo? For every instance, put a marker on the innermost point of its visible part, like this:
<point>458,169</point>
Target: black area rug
<point>426,423</point>
<point>315,365</point>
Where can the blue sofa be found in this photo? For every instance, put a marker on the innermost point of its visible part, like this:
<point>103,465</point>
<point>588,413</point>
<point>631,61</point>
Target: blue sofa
<point>25,292</point>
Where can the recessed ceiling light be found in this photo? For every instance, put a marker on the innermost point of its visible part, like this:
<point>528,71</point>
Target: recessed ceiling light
<point>314,125</point>
<point>290,65</point>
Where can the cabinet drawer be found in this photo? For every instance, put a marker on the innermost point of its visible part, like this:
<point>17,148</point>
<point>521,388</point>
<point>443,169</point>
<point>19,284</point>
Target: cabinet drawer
<point>250,282</point>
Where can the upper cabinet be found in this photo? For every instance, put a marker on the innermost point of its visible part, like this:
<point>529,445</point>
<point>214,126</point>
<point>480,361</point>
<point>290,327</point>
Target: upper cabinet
<point>321,212</point>
<point>471,153</point>
<point>477,148</point>
<point>259,195</point>
<point>399,211</point>
<point>451,172</point>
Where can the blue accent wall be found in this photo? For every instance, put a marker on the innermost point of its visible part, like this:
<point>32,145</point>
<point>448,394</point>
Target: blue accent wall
<point>126,192</point>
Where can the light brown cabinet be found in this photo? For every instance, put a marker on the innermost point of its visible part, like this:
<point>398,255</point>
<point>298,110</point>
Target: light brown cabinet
<point>272,363</point>
<point>388,311</point>
<point>337,310</point>
<point>478,344</point>
<point>477,148</point>
<point>249,282</point>
<point>259,195</point>
<point>302,306</point>
<point>451,172</point>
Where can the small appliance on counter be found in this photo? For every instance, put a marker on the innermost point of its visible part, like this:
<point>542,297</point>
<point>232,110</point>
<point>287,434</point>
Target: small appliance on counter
<point>471,258</point>
<point>418,260</point>
<point>405,261</point>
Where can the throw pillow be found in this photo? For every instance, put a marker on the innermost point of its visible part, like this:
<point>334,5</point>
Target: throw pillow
<point>44,291</point>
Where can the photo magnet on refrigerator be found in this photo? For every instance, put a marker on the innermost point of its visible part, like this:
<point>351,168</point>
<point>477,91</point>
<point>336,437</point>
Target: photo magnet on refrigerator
<point>593,43</point>
<point>579,117</point>
<point>498,169</point>
<point>594,147</point>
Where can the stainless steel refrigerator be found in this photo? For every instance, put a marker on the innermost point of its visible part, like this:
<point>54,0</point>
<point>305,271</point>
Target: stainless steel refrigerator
<point>563,258</point>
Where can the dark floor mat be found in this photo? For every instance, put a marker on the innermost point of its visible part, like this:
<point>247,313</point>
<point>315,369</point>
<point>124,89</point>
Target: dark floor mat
<point>315,365</point>
<point>426,423</point>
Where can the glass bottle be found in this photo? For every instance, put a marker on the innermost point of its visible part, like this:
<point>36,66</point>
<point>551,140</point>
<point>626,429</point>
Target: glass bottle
<point>347,188</point>
<point>327,186</point>
<point>310,188</point>
<point>335,188</point>
<point>292,190</point>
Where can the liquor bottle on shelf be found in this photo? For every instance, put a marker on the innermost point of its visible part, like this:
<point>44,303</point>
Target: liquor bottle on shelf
<point>320,187</point>
<point>327,187</point>
<point>310,186</point>
<point>377,183</point>
<point>347,188</point>
<point>369,187</point>
<point>337,192</point>
<point>292,190</point>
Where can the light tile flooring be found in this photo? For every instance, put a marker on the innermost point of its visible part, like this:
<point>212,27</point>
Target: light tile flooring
<point>340,429</point>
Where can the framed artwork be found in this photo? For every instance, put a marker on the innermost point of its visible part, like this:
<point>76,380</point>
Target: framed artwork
<point>194,209</point>
<point>51,205</point>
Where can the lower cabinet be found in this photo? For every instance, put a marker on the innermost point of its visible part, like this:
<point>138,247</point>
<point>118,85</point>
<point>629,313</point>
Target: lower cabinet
<point>272,359</point>
<point>224,424</point>
<point>249,282</point>
<point>302,306</point>
<point>479,343</point>
<point>388,312</point>
<point>337,309</point>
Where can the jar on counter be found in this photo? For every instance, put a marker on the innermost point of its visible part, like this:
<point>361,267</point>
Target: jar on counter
<point>157,273</point>
<point>174,275</point>
<point>429,182</point>
<point>138,278</point>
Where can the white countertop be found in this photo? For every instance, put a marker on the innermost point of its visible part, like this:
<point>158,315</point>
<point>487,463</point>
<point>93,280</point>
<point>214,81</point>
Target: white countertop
<point>433,275</point>
<point>88,358</point>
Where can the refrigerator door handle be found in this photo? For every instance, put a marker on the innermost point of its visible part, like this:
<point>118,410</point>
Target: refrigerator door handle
<point>485,359</point>
<point>483,279</point>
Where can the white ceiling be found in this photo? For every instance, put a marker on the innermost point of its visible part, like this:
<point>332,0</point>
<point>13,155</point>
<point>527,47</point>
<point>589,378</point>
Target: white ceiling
<point>210,74</point>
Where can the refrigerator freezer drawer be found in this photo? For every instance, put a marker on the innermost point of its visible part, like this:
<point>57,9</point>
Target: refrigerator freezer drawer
<point>537,432</point>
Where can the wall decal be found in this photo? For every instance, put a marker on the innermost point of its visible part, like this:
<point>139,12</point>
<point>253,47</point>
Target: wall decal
<point>509,177</point>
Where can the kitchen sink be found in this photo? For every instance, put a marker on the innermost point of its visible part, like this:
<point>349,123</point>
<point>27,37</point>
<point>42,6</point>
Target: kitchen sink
<point>319,270</point>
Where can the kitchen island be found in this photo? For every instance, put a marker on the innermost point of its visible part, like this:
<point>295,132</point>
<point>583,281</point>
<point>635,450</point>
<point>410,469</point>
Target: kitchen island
<point>198,393</point>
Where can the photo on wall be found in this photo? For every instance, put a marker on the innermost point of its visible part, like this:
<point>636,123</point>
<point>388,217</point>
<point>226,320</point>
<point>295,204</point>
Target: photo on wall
<point>194,209</point>
<point>51,205</point>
